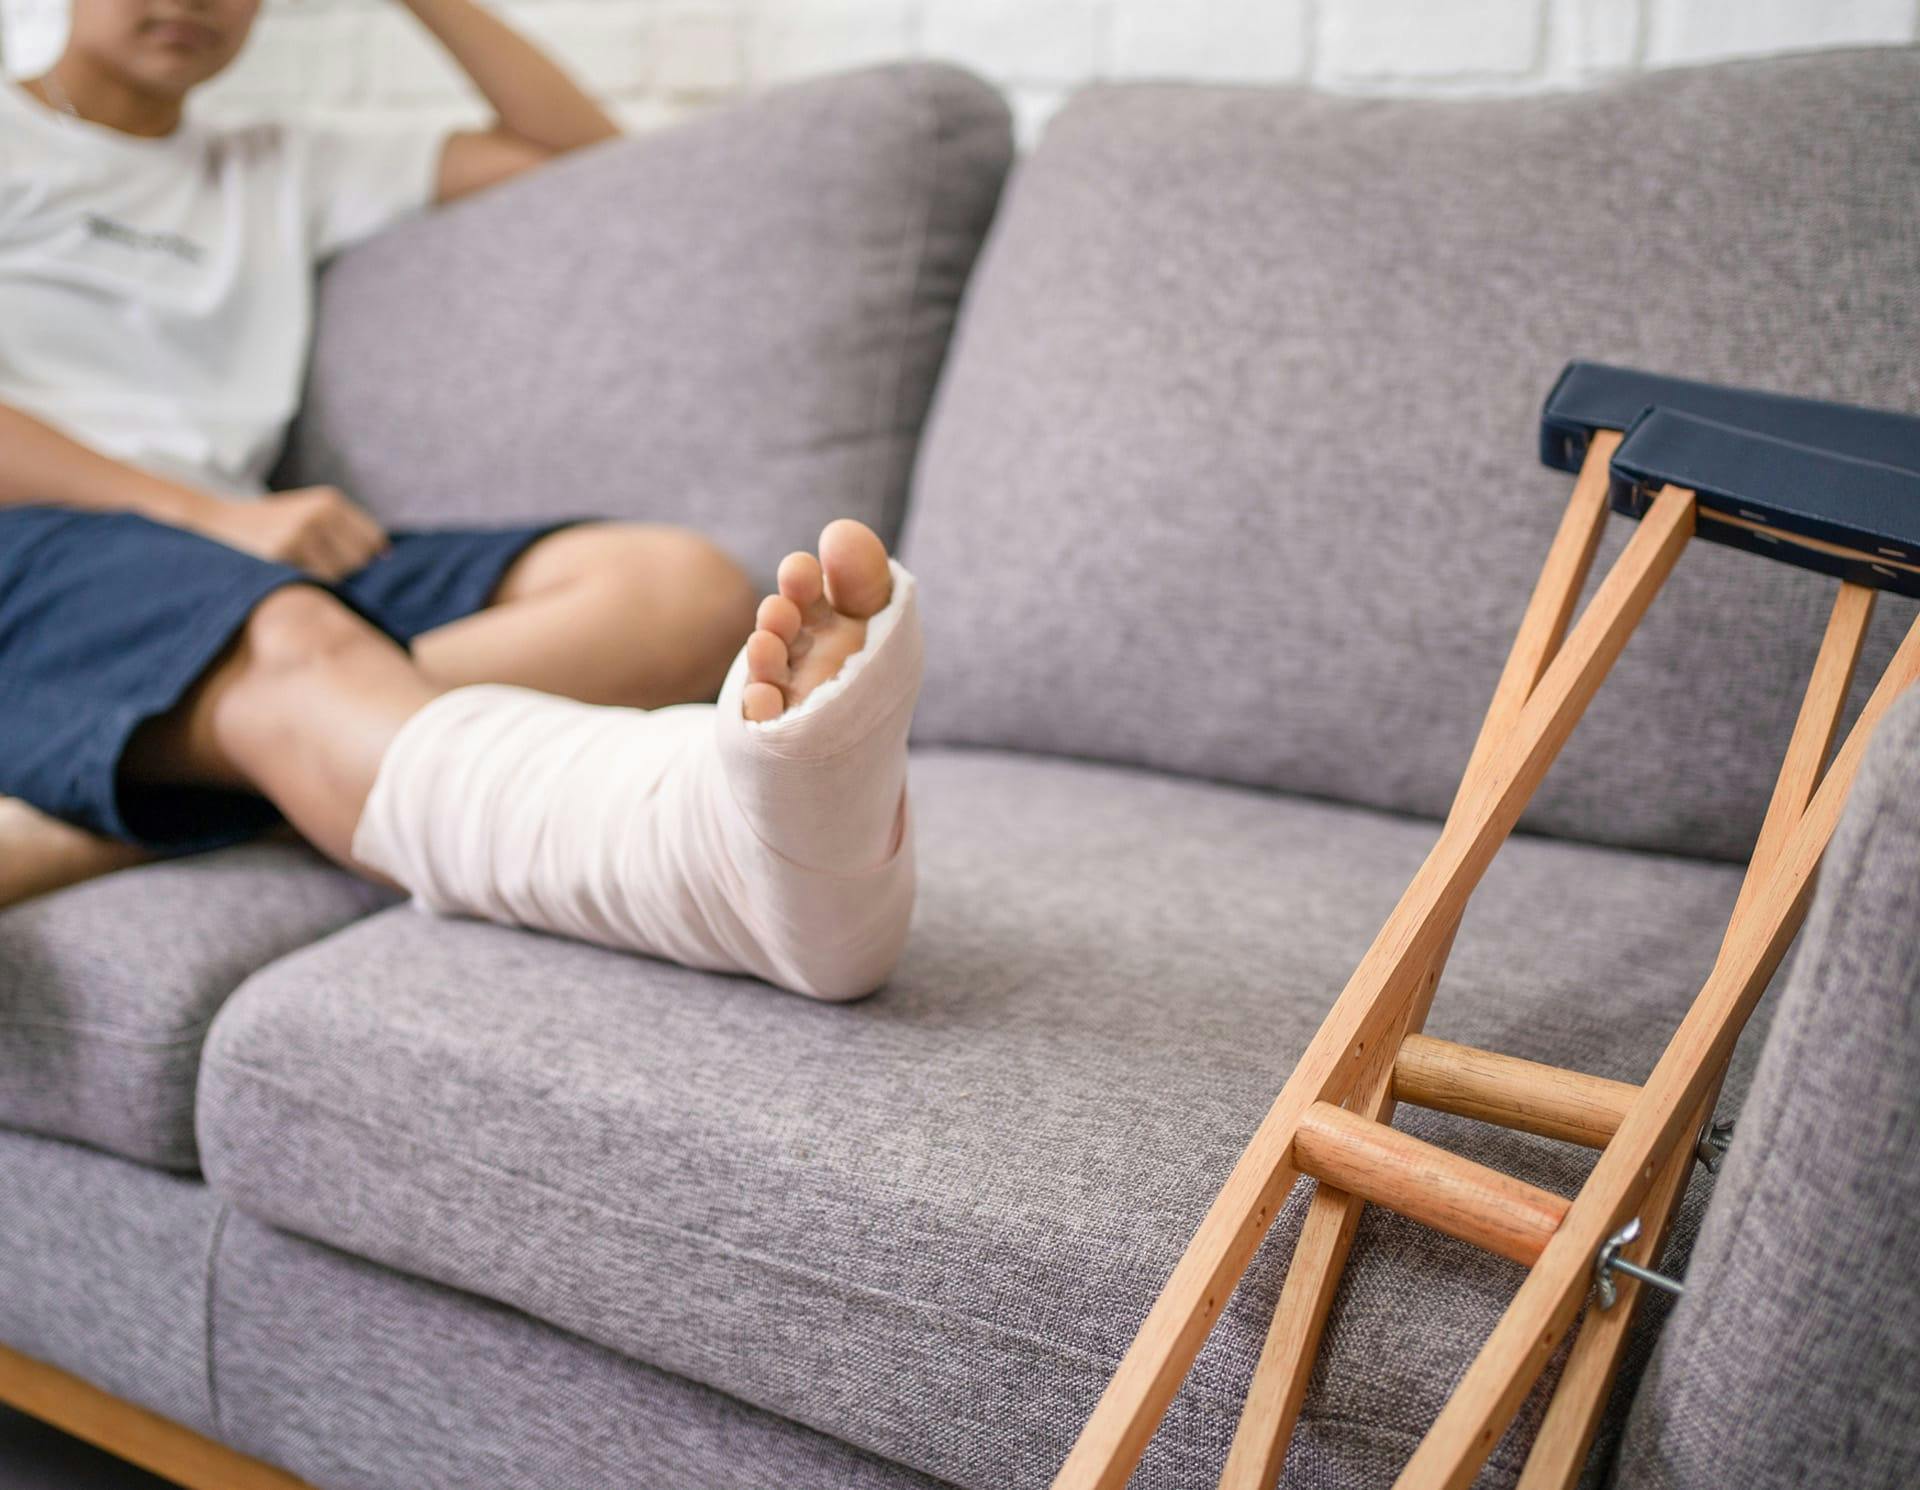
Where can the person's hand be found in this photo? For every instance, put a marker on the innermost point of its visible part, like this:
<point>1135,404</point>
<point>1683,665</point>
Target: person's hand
<point>315,528</point>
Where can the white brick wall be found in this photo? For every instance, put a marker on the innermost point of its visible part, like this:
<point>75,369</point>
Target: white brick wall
<point>656,60</point>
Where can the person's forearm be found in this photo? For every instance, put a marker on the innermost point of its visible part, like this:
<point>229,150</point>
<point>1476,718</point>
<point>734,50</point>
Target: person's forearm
<point>40,464</point>
<point>533,97</point>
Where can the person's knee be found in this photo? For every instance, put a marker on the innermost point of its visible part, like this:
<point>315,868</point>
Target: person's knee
<point>695,592</point>
<point>717,601</point>
<point>299,627</point>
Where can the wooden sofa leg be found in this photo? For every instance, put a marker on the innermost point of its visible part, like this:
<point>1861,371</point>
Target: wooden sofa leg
<point>132,1433</point>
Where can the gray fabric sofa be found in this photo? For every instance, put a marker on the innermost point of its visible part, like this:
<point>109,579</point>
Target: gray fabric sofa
<point>1225,509</point>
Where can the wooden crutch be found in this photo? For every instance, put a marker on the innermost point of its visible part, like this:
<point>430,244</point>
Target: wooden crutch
<point>1824,486</point>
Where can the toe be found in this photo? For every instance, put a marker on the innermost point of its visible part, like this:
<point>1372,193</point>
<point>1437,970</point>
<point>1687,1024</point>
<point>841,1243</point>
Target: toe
<point>801,582</point>
<point>766,658</point>
<point>760,702</point>
<point>858,581</point>
<point>780,616</point>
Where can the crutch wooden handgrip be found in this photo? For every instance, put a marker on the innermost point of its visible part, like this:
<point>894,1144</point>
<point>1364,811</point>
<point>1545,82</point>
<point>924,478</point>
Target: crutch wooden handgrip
<point>1823,486</point>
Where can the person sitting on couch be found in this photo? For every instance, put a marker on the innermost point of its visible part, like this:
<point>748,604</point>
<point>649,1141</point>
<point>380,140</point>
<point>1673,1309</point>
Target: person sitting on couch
<point>504,722</point>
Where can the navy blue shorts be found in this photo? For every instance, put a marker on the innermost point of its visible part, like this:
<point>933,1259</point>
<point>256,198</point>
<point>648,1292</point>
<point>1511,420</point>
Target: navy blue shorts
<point>107,619</point>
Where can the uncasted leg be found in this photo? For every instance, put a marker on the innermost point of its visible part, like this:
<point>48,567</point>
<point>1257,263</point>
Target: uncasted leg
<point>302,705</point>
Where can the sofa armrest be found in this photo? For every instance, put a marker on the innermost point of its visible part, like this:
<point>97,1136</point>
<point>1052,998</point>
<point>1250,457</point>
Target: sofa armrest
<point>1789,1361</point>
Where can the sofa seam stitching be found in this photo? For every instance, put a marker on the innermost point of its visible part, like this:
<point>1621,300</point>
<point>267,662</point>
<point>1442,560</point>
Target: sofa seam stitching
<point>215,1234</point>
<point>190,1034</point>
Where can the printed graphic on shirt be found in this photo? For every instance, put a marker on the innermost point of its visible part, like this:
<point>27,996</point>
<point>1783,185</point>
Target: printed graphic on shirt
<point>178,244</point>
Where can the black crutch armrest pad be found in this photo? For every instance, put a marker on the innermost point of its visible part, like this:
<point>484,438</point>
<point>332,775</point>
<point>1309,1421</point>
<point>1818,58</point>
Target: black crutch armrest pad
<point>1591,396</point>
<point>1778,497</point>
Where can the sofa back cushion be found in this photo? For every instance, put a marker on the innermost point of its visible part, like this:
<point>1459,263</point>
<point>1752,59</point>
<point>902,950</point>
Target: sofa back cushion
<point>1233,469</point>
<point>736,323</point>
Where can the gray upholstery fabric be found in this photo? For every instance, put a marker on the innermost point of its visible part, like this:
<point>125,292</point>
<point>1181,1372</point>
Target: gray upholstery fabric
<point>1790,1363</point>
<point>928,1224</point>
<point>106,988</point>
<point>735,324</point>
<point>345,1373</point>
<point>1233,470</point>
<point>103,1270</point>
<point>357,1378</point>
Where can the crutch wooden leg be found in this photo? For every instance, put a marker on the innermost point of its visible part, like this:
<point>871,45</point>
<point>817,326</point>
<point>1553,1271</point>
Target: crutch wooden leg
<point>1566,1434</point>
<point>1372,1006</point>
<point>1326,1233</point>
<point>1573,1416</point>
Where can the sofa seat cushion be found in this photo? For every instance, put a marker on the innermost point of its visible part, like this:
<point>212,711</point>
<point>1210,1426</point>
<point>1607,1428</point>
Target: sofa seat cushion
<point>929,1223</point>
<point>107,988</point>
<point>734,323</point>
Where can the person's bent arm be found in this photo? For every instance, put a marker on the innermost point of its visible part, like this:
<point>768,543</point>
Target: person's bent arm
<point>542,112</point>
<point>40,464</point>
<point>315,528</point>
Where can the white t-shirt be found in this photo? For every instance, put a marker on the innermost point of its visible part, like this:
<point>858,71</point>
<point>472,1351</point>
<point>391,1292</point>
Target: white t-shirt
<point>156,295</point>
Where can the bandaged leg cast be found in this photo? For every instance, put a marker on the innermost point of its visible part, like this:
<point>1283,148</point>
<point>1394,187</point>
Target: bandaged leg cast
<point>766,834</point>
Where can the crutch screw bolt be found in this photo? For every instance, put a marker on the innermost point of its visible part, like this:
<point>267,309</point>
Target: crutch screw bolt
<point>1714,1144</point>
<point>1609,1261</point>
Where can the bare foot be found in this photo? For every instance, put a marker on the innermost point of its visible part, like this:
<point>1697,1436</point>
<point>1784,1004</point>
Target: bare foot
<point>40,853</point>
<point>817,621</point>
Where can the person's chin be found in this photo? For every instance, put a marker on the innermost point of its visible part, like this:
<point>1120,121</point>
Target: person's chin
<point>175,71</point>
<point>172,63</point>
